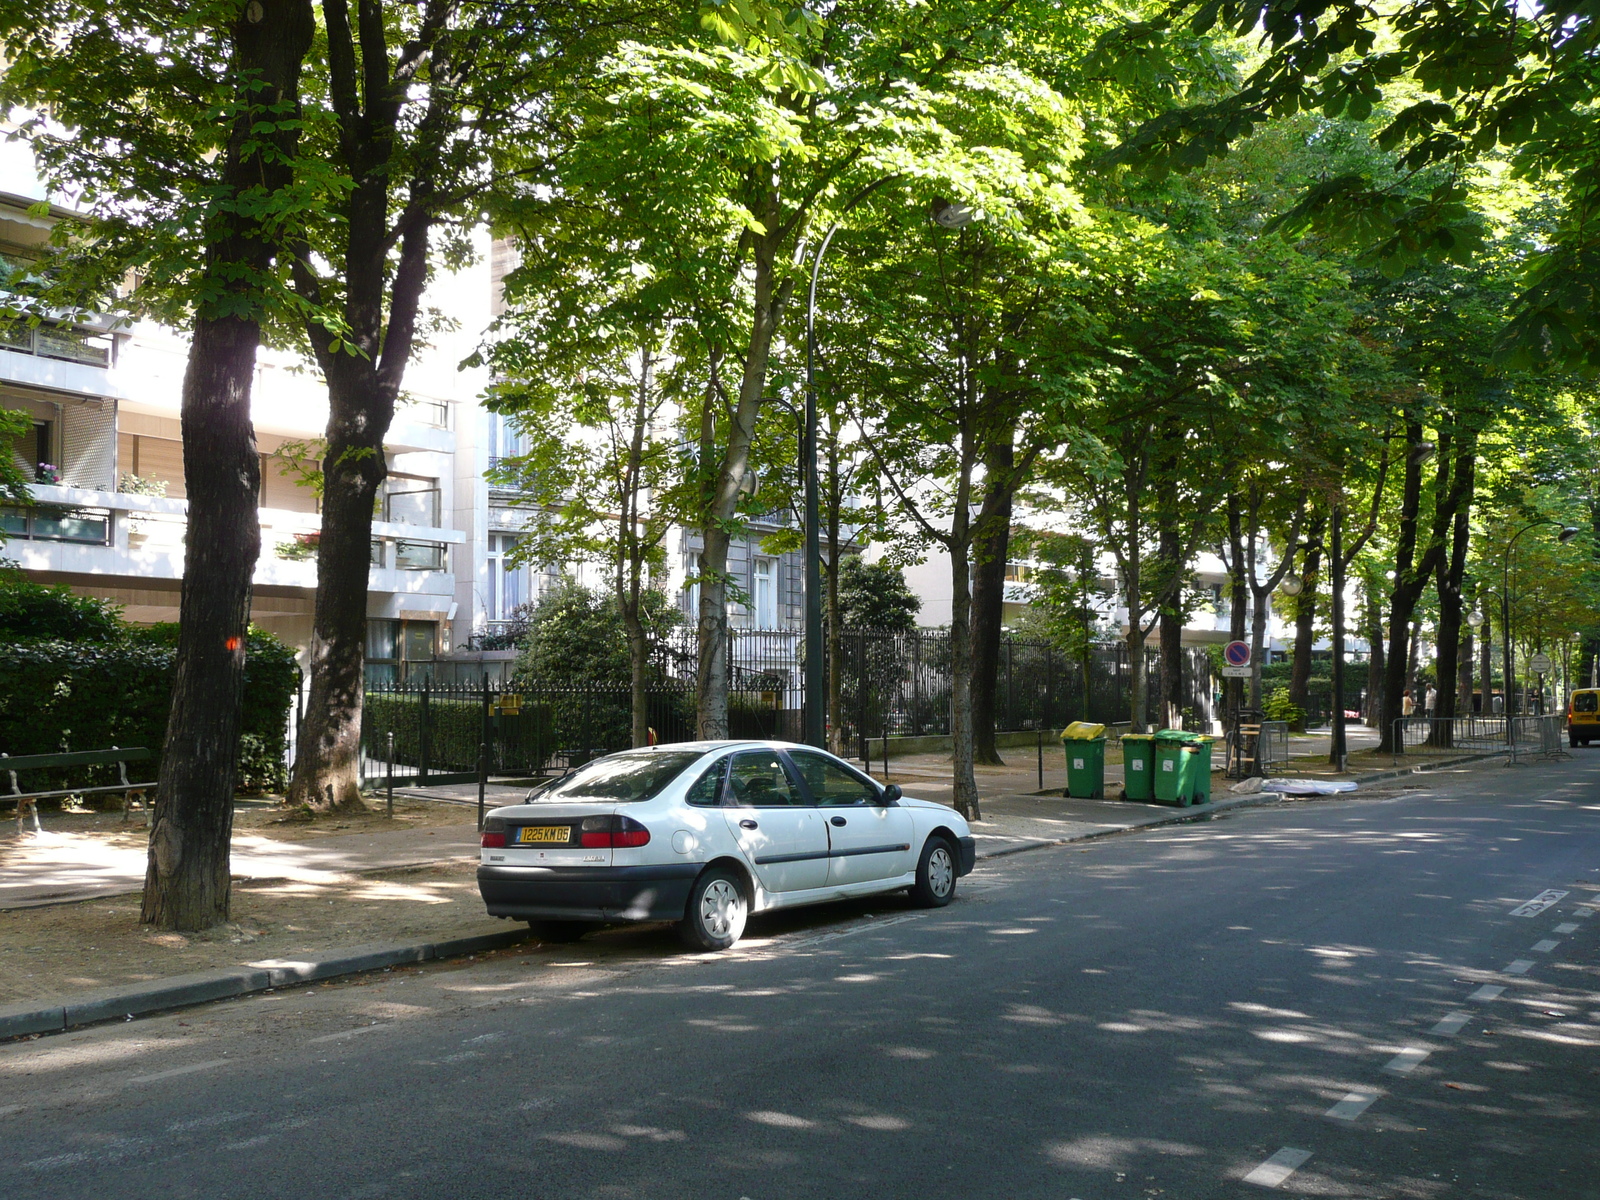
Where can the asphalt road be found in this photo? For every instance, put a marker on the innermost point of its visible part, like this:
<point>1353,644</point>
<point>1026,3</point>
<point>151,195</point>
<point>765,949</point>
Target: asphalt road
<point>1187,1013</point>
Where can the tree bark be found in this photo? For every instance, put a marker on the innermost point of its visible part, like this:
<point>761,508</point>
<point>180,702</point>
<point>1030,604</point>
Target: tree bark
<point>1376,662</point>
<point>1338,744</point>
<point>1305,617</point>
<point>990,549</point>
<point>711,708</point>
<point>1238,603</point>
<point>1169,549</point>
<point>383,258</point>
<point>1451,572</point>
<point>186,876</point>
<point>1486,666</point>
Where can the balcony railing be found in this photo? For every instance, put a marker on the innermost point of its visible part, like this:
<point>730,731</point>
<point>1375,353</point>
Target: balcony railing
<point>58,341</point>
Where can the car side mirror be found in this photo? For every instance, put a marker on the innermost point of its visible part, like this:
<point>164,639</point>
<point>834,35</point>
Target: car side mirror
<point>891,793</point>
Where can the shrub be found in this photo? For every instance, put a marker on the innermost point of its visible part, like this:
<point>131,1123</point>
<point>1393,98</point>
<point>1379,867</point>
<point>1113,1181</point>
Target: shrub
<point>62,695</point>
<point>1278,707</point>
<point>32,612</point>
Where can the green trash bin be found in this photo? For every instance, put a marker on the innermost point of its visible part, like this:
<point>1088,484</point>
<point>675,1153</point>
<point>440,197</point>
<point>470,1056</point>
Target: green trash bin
<point>1138,766</point>
<point>1196,769</point>
<point>1085,746</point>
<point>1168,767</point>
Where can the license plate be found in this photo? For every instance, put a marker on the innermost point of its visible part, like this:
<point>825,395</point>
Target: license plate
<point>543,834</point>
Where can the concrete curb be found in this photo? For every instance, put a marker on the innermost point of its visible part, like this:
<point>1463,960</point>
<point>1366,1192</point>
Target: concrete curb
<point>182,991</point>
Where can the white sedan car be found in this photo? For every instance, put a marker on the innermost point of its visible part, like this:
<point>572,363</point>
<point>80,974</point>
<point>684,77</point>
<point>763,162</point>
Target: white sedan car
<point>706,833</point>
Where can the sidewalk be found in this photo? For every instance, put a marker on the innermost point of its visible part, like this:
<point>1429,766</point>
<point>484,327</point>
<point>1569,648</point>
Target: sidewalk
<point>54,867</point>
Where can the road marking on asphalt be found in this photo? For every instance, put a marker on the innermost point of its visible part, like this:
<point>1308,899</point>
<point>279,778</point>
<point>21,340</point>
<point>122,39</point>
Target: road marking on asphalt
<point>1407,1060</point>
<point>1279,1167</point>
<point>1567,927</point>
<point>1520,967</point>
<point>1451,1025</point>
<point>1532,908</point>
<point>1545,946</point>
<point>188,1070</point>
<point>1584,910</point>
<point>1488,991</point>
<point>1352,1106</point>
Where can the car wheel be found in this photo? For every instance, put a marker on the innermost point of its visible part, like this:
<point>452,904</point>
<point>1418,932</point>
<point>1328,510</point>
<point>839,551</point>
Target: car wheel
<point>1572,741</point>
<point>559,931</point>
<point>716,913</point>
<point>936,874</point>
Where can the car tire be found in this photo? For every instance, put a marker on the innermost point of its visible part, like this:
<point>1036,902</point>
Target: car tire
<point>936,873</point>
<point>560,931</point>
<point>717,910</point>
<point>1572,741</point>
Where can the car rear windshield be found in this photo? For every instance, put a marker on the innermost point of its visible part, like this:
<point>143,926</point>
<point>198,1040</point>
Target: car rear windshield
<point>1585,701</point>
<point>622,778</point>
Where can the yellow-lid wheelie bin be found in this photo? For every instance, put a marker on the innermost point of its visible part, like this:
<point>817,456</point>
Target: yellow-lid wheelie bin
<point>1085,746</point>
<point>1138,766</point>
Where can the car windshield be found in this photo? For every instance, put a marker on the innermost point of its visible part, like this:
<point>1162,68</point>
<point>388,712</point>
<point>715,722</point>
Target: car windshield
<point>624,778</point>
<point>1585,701</point>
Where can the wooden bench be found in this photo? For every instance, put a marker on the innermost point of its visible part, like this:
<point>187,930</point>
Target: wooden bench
<point>29,801</point>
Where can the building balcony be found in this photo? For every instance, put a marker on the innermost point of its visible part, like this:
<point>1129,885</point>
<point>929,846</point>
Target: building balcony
<point>84,533</point>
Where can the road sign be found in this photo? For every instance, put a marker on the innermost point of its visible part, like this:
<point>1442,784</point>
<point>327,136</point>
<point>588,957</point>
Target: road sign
<point>1236,672</point>
<point>1237,654</point>
<point>1540,664</point>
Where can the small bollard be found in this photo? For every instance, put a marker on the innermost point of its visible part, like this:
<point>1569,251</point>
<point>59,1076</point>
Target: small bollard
<point>1041,758</point>
<point>388,776</point>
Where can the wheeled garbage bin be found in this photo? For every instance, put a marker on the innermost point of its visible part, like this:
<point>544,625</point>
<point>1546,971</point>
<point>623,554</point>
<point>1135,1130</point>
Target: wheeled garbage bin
<point>1138,766</point>
<point>1168,767</point>
<point>1196,769</point>
<point>1085,745</point>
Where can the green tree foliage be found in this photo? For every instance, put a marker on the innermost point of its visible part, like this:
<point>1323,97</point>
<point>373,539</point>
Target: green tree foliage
<point>576,637</point>
<point>33,612</point>
<point>875,596</point>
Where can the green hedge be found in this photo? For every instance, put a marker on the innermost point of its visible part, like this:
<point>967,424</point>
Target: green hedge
<point>90,695</point>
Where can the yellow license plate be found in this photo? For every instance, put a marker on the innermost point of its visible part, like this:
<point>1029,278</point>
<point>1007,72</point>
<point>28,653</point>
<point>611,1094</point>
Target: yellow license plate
<point>542,833</point>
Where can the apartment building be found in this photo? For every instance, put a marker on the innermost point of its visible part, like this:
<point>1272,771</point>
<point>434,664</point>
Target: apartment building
<point>110,512</point>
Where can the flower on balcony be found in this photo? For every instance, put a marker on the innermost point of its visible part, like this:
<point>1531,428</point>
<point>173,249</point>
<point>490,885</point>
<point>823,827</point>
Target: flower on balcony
<point>46,473</point>
<point>302,549</point>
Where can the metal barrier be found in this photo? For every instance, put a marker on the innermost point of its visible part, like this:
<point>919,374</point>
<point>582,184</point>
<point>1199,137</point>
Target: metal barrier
<point>1515,737</point>
<point>1273,748</point>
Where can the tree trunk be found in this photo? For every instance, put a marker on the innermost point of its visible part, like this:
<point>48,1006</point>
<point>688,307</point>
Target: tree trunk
<point>961,729</point>
<point>1305,617</point>
<point>1338,744</point>
<point>1169,550</point>
<point>1171,636</point>
<point>990,547</point>
<point>1138,677</point>
<point>1464,656</point>
<point>638,673</point>
<point>1451,632</point>
<point>186,876</point>
<point>327,767</point>
<point>711,707</point>
<point>1376,662</point>
<point>1486,666</point>
<point>830,573</point>
<point>1238,603</point>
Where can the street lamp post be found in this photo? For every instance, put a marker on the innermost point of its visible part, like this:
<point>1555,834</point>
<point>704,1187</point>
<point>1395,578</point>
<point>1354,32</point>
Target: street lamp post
<point>1567,533</point>
<point>814,716</point>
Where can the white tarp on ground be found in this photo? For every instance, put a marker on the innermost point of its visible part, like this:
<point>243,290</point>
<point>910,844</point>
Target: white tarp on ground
<point>1297,787</point>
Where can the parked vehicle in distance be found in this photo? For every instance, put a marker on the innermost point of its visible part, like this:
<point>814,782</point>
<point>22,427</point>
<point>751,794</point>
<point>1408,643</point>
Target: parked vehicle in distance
<point>706,833</point>
<point>1583,716</point>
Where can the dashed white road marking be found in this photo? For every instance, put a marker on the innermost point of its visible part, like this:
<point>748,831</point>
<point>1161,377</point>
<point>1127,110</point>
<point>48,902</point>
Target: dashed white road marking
<point>1584,910</point>
<point>1545,946</point>
<point>1487,992</point>
<point>1352,1106</point>
<point>1451,1025</point>
<point>1279,1167</point>
<point>188,1070</point>
<point>1407,1060</point>
<point>1538,904</point>
<point>1520,967</point>
<point>1567,927</point>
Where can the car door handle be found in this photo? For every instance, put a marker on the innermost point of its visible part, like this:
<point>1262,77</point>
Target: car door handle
<point>837,820</point>
<point>748,825</point>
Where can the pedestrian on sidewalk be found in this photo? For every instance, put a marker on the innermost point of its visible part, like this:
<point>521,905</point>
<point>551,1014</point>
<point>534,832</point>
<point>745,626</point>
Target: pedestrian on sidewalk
<point>1407,705</point>
<point>1433,701</point>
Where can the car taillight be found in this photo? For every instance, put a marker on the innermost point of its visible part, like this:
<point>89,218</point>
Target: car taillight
<point>613,831</point>
<point>494,833</point>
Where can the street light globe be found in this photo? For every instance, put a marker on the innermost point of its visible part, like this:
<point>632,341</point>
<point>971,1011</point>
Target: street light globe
<point>1568,532</point>
<point>1475,617</point>
<point>1291,585</point>
<point>951,214</point>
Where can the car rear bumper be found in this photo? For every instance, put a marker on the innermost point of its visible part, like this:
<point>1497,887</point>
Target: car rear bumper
<point>969,855</point>
<point>653,893</point>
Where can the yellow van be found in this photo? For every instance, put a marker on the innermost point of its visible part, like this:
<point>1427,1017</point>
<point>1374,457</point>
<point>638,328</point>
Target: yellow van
<point>1583,716</point>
